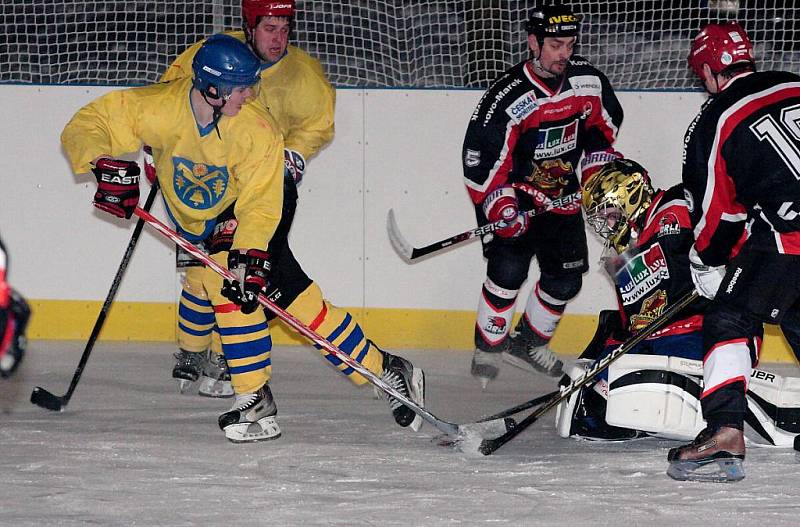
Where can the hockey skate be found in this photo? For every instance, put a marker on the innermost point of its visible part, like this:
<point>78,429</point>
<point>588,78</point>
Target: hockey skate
<point>530,352</point>
<point>716,454</point>
<point>216,379</point>
<point>188,367</point>
<point>486,359</point>
<point>252,418</point>
<point>401,375</point>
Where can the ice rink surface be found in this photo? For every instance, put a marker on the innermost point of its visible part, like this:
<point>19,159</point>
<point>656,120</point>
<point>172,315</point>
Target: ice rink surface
<point>130,450</point>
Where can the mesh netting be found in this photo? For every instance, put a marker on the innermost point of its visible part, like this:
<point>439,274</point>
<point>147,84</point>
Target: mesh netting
<point>403,43</point>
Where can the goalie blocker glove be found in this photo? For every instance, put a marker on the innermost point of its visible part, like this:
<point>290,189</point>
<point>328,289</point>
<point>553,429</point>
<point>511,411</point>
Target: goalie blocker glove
<point>252,269</point>
<point>117,186</point>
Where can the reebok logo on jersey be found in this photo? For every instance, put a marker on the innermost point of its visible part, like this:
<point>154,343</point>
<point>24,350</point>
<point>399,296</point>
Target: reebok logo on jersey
<point>734,279</point>
<point>553,142</point>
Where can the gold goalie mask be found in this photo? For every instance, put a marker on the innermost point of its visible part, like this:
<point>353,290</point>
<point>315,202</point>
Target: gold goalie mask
<point>615,199</point>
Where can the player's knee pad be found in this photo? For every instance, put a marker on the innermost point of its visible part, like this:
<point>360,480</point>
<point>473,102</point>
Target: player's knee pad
<point>560,288</point>
<point>195,313</point>
<point>657,394</point>
<point>495,312</point>
<point>247,345</point>
<point>340,328</point>
<point>773,409</point>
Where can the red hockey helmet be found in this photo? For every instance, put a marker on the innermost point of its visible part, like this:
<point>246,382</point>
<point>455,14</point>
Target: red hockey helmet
<point>252,9</point>
<point>719,46</point>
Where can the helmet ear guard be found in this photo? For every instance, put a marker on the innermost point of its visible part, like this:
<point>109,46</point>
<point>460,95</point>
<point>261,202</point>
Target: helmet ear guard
<point>615,200</point>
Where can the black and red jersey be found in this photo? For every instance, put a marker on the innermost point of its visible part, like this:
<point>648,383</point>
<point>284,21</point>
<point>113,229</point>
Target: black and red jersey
<point>522,119</point>
<point>654,272</point>
<point>741,166</point>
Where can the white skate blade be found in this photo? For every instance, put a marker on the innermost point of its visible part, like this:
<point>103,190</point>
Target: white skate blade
<point>485,367</point>
<point>727,470</point>
<point>214,388</point>
<point>185,386</point>
<point>417,395</point>
<point>264,429</point>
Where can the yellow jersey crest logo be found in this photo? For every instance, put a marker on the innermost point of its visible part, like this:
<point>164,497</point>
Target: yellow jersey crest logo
<point>198,185</point>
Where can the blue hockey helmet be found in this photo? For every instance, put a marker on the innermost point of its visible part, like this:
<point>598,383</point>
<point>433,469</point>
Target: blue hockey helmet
<point>223,63</point>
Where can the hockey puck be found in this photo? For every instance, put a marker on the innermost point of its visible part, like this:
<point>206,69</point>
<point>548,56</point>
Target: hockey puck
<point>797,443</point>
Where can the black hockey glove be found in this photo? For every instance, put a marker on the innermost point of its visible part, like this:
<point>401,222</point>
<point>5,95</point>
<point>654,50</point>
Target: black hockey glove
<point>117,186</point>
<point>252,269</point>
<point>295,165</point>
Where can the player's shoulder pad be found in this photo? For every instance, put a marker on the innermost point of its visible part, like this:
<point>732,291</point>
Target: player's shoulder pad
<point>672,210</point>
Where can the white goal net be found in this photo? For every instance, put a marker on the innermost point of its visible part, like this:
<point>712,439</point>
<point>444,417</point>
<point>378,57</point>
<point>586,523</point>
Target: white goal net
<point>400,43</point>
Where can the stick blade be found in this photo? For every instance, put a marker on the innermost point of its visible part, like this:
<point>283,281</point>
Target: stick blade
<point>44,399</point>
<point>472,436</point>
<point>399,243</point>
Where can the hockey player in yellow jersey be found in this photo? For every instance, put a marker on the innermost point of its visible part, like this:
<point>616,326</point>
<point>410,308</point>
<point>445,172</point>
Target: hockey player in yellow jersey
<point>213,152</point>
<point>295,91</point>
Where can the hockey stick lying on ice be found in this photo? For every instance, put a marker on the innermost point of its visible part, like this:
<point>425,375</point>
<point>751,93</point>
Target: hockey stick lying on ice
<point>473,432</point>
<point>50,401</point>
<point>487,446</point>
<point>407,252</point>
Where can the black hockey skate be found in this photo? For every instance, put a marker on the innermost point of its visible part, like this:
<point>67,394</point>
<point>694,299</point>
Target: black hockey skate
<point>401,375</point>
<point>252,418</point>
<point>188,367</point>
<point>716,454</point>
<point>530,352</point>
<point>216,379</point>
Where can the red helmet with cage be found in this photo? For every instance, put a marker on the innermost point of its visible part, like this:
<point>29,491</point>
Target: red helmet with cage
<point>252,9</point>
<point>719,46</point>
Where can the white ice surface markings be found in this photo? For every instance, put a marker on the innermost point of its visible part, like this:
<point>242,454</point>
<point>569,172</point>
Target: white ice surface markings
<point>129,450</point>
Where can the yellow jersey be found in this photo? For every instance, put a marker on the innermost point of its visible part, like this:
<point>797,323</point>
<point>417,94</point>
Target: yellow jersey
<point>201,172</point>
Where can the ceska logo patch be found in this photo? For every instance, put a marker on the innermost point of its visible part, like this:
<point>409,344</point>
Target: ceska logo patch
<point>198,185</point>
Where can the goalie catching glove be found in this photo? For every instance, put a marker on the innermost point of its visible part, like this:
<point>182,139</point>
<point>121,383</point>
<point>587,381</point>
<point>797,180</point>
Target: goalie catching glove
<point>501,205</point>
<point>252,268</point>
<point>117,186</point>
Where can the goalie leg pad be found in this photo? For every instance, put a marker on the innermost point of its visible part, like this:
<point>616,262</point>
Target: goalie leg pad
<point>657,394</point>
<point>773,409</point>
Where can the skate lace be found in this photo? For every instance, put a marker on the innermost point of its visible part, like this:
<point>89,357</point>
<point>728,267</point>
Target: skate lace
<point>542,355</point>
<point>395,380</point>
<point>186,358</point>
<point>246,401</point>
<point>216,359</point>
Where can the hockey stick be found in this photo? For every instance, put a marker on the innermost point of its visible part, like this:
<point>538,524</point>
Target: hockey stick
<point>488,446</point>
<point>407,252</point>
<point>50,401</point>
<point>474,432</point>
<point>520,407</point>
